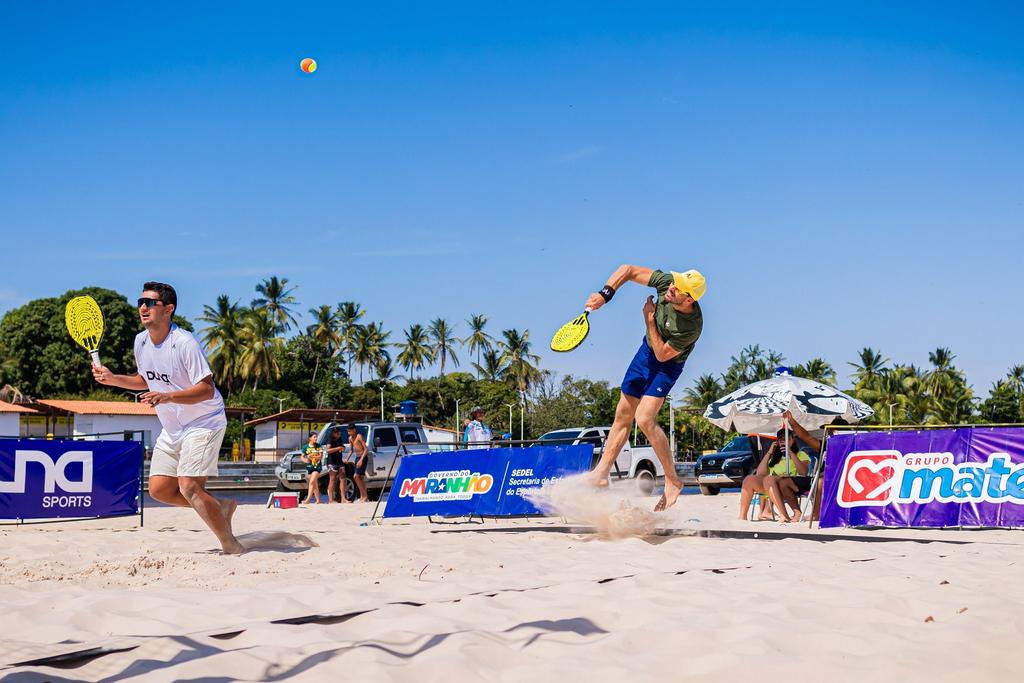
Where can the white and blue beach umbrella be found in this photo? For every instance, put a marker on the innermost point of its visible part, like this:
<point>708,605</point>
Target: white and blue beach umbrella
<point>757,408</point>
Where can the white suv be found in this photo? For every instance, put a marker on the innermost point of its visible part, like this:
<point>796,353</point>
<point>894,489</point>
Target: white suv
<point>385,440</point>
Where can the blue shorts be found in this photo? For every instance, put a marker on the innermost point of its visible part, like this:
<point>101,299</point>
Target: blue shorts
<point>647,376</point>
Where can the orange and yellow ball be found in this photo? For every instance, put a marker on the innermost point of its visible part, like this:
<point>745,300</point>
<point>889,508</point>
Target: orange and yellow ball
<point>308,65</point>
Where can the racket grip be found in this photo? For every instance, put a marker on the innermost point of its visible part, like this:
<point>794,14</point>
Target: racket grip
<point>588,310</point>
<point>95,353</point>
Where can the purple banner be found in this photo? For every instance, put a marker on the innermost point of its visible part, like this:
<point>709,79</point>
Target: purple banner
<point>53,479</point>
<point>967,477</point>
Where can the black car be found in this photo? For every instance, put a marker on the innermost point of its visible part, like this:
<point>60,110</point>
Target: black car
<point>728,467</point>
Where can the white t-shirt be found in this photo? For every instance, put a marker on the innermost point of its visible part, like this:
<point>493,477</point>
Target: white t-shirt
<point>478,433</point>
<point>175,364</point>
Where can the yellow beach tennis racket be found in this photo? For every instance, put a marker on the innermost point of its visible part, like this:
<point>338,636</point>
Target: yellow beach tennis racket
<point>571,334</point>
<point>85,324</point>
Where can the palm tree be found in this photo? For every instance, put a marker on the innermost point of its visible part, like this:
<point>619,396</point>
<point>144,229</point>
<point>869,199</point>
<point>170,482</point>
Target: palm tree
<point>817,369</point>
<point>492,368</point>
<point>276,296</point>
<point>478,340</point>
<point>347,315</point>
<point>1015,379</point>
<point>444,342</point>
<point>261,347</point>
<point>370,344</point>
<point>951,400</point>
<point>519,363</point>
<point>323,334</point>
<point>416,351</point>
<point>753,364</point>
<point>385,369</point>
<point>705,391</point>
<point>224,339</point>
<point>871,364</point>
<point>323,330</point>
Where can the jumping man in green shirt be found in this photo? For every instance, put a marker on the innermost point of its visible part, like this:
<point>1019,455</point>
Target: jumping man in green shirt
<point>674,323</point>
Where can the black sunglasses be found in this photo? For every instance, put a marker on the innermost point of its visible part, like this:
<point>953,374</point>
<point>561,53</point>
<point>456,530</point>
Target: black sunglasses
<point>149,303</point>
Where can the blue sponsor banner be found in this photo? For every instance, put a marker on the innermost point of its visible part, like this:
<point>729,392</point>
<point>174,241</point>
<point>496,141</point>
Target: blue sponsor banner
<point>54,479</point>
<point>480,482</point>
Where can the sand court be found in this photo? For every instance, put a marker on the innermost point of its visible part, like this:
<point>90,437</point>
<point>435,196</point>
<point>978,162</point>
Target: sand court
<point>541,598</point>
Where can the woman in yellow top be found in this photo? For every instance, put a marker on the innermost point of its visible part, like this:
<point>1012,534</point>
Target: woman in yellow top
<point>774,475</point>
<point>313,456</point>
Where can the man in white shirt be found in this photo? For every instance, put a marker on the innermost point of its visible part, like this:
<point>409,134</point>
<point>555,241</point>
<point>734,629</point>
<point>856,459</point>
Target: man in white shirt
<point>477,434</point>
<point>179,384</point>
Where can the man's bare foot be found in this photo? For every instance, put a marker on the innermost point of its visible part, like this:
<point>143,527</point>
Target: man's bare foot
<point>671,495</point>
<point>796,517</point>
<point>764,517</point>
<point>234,548</point>
<point>598,481</point>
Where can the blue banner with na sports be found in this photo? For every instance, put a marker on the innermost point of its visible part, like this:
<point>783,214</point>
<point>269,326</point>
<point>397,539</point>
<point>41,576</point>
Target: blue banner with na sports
<point>55,479</point>
<point>490,482</point>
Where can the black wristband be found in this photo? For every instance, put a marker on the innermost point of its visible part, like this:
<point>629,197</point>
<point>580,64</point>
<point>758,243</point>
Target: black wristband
<point>606,293</point>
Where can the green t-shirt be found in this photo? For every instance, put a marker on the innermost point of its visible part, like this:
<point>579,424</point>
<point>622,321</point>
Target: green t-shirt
<point>679,330</point>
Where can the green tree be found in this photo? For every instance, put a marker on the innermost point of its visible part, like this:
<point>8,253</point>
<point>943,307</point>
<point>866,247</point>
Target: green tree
<point>262,347</point>
<point>817,369</point>
<point>276,297</point>
<point>519,363</point>
<point>224,340</point>
<point>42,359</point>
<point>371,342</point>
<point>706,390</point>
<point>415,351</point>
<point>752,365</point>
<point>443,346</point>
<point>347,316</point>
<point>1003,405</point>
<point>572,403</point>
<point>493,367</point>
<point>478,341</point>
<point>870,367</point>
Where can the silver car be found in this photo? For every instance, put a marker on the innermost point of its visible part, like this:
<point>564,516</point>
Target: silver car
<point>385,440</point>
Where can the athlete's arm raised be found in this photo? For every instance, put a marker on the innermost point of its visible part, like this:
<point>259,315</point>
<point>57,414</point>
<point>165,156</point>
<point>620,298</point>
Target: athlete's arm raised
<point>195,394</point>
<point>103,375</point>
<point>622,275</point>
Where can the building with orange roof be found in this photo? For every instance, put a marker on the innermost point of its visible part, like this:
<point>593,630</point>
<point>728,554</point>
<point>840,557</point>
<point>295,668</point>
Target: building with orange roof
<point>10,418</point>
<point>101,420</point>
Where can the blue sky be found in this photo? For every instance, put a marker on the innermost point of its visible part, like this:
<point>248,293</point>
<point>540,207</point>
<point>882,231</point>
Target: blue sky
<point>845,175</point>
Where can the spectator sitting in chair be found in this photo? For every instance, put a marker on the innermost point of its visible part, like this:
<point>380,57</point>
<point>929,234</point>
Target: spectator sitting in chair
<point>781,482</point>
<point>776,479</point>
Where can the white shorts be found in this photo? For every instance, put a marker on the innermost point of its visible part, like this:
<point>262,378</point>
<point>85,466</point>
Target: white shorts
<point>193,455</point>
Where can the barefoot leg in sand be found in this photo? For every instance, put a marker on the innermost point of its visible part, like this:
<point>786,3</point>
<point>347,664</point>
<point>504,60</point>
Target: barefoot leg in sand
<point>190,492</point>
<point>647,419</point>
<point>617,436</point>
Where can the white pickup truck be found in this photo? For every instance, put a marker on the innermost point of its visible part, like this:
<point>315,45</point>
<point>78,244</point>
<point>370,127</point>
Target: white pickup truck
<point>639,463</point>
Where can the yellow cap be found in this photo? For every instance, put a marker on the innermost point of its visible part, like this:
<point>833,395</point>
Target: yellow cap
<point>691,282</point>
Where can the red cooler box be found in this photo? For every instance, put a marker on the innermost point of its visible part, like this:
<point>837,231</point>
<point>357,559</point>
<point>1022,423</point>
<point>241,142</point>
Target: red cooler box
<point>286,500</point>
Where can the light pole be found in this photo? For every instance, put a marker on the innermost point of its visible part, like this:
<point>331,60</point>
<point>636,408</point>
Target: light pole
<point>510,407</point>
<point>522,415</point>
<point>280,404</point>
<point>455,420</point>
<point>382,402</point>
<point>890,412</point>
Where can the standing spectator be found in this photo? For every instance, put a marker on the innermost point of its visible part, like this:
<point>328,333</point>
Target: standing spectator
<point>336,466</point>
<point>357,448</point>
<point>313,456</point>
<point>477,434</point>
